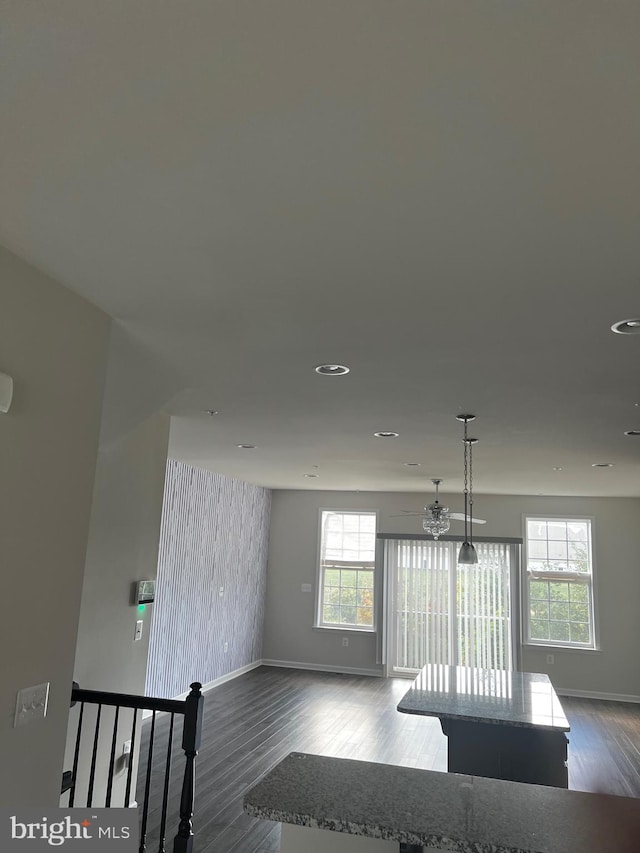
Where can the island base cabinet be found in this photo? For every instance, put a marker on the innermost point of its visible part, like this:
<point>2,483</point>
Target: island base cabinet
<point>514,753</point>
<point>304,839</point>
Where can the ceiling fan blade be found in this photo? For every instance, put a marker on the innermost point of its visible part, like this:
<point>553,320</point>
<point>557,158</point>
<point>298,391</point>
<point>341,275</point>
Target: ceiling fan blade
<point>459,516</point>
<point>407,513</point>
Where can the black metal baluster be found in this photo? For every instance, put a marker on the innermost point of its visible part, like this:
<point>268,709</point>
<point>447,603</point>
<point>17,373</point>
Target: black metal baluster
<point>145,810</point>
<point>112,760</point>
<point>76,755</point>
<point>165,796</point>
<point>183,842</point>
<point>94,757</point>
<point>127,794</point>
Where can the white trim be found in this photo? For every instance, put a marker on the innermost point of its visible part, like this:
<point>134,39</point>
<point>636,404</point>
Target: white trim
<point>229,676</point>
<point>591,694</point>
<point>317,619</point>
<point>324,667</point>
<point>527,576</point>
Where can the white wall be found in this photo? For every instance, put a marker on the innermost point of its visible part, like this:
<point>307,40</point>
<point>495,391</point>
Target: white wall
<point>289,635</point>
<point>54,344</point>
<point>122,549</point>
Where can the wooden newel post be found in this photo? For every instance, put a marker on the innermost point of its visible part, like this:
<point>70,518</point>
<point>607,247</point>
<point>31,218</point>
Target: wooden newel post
<point>183,842</point>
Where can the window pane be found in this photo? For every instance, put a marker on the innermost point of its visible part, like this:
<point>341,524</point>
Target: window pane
<point>580,633</point>
<point>332,576</point>
<point>578,530</point>
<point>331,613</point>
<point>348,595</point>
<point>348,577</point>
<point>557,550</point>
<point>579,612</point>
<point>537,550</point>
<point>559,591</point>
<point>579,592</point>
<point>332,595</point>
<point>557,530</point>
<point>559,610</point>
<point>365,579</point>
<point>559,631</point>
<point>539,589</point>
<point>348,615</point>
<point>365,598</point>
<point>365,616</point>
<point>539,610</point>
<point>539,629</point>
<point>536,529</point>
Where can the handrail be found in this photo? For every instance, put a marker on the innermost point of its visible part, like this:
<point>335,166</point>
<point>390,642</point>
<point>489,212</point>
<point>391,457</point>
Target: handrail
<point>129,700</point>
<point>190,708</point>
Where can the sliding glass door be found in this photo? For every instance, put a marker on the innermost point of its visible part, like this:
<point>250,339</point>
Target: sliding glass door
<point>440,612</point>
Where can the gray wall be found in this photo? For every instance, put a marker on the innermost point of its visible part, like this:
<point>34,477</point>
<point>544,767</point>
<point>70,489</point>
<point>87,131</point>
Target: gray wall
<point>54,344</point>
<point>215,534</point>
<point>123,549</point>
<point>289,635</point>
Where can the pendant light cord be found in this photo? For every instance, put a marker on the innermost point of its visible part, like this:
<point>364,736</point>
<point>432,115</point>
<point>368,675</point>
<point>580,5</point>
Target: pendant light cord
<point>466,478</point>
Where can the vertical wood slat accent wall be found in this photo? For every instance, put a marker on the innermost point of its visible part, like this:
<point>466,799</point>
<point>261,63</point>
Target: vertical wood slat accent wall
<point>215,533</point>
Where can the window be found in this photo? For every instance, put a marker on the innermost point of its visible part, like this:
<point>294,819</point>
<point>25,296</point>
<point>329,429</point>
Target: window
<point>559,608</point>
<point>347,563</point>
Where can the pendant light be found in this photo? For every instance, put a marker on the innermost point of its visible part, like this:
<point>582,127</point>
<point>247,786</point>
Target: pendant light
<point>467,554</point>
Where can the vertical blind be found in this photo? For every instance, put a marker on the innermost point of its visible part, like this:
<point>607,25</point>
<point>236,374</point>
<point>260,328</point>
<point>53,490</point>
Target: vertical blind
<point>447,613</point>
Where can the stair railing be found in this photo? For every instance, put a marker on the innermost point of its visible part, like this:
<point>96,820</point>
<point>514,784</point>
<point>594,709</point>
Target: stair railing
<point>190,708</point>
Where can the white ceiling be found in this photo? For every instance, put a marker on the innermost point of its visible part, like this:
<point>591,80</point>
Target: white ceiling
<point>444,196</point>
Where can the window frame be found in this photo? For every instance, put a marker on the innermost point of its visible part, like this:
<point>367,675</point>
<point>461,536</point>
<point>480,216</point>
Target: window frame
<point>319,622</point>
<point>525,620</point>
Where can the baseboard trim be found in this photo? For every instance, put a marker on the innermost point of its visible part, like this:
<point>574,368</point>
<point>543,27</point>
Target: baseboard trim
<point>229,676</point>
<point>592,694</point>
<point>323,667</point>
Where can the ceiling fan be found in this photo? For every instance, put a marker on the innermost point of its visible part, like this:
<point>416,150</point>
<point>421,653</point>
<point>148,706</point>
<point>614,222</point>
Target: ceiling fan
<point>436,518</point>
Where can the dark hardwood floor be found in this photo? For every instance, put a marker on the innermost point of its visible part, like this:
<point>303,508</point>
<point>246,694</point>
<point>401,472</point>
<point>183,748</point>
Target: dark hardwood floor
<point>254,721</point>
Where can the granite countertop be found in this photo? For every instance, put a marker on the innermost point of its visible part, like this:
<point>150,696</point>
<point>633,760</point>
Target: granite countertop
<point>485,696</point>
<point>448,811</point>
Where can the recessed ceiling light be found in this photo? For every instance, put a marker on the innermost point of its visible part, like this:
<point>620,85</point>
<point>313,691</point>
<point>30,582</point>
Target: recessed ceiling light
<point>212,412</point>
<point>310,476</point>
<point>246,446</point>
<point>557,468</point>
<point>627,327</point>
<point>632,432</point>
<point>602,465</point>
<point>384,434</point>
<point>332,369</point>
<point>413,464</point>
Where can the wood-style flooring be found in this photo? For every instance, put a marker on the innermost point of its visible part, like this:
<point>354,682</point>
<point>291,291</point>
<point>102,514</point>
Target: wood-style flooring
<point>254,721</point>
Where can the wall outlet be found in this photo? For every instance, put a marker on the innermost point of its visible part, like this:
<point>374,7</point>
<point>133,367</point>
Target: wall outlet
<point>221,591</point>
<point>305,587</point>
<point>551,659</point>
<point>31,704</point>
<point>345,641</point>
<point>225,648</point>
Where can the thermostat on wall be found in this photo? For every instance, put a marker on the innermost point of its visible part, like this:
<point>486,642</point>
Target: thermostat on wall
<point>146,592</point>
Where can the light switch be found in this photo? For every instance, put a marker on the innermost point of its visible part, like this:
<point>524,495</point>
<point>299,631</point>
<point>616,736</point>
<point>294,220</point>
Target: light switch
<point>31,704</point>
<point>221,591</point>
<point>138,634</point>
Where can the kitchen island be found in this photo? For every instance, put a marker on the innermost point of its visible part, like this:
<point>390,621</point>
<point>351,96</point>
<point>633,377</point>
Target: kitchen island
<point>499,723</point>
